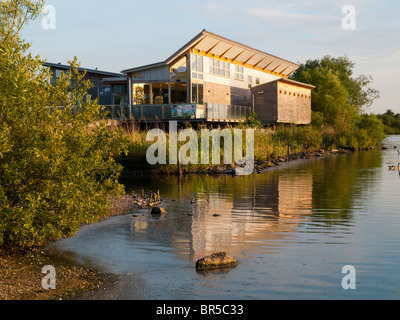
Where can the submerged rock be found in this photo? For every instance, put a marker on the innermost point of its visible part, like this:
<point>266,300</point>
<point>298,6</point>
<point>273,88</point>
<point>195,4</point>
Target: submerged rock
<point>216,260</point>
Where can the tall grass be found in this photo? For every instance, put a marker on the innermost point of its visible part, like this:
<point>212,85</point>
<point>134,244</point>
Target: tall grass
<point>268,144</point>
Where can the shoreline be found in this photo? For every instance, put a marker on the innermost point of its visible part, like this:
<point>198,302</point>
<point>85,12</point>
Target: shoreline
<point>20,271</point>
<point>259,165</point>
<point>21,276</point>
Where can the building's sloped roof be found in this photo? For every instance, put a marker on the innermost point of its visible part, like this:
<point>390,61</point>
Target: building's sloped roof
<point>67,67</point>
<point>211,44</point>
<point>296,83</point>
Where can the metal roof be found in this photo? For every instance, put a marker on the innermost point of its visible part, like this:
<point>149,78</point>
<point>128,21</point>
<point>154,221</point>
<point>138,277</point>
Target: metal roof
<point>215,45</point>
<point>67,67</point>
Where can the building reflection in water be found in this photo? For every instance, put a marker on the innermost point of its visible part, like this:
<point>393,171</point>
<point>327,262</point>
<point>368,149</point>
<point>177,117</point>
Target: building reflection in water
<point>232,214</point>
<point>253,219</point>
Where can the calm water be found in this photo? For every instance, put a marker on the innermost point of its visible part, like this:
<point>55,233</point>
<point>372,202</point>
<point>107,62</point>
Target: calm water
<point>292,230</point>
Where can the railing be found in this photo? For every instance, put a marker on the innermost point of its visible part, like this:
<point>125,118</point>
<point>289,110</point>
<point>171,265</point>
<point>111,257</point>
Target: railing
<point>156,112</point>
<point>228,113</point>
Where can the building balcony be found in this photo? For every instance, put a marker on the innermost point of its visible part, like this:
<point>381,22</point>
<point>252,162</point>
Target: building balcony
<point>209,112</point>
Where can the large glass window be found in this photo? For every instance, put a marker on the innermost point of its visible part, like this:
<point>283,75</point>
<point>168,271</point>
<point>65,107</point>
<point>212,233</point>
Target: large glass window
<point>160,93</point>
<point>220,68</point>
<point>179,69</point>
<point>178,93</point>
<point>120,100</point>
<point>194,92</point>
<point>141,93</point>
<point>119,88</point>
<point>105,96</point>
<point>197,66</point>
<point>197,93</point>
<point>238,72</point>
<point>200,93</point>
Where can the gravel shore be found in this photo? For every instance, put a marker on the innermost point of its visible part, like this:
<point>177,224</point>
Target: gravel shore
<point>21,276</point>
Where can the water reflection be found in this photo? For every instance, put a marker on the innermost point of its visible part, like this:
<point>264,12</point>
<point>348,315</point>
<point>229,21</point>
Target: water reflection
<point>258,213</point>
<point>292,229</point>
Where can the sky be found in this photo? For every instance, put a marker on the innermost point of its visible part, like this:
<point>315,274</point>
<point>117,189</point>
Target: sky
<point>121,34</point>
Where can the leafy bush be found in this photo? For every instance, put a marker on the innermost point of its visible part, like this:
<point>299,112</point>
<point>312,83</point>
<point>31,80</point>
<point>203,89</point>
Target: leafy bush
<point>56,169</point>
<point>253,122</point>
<point>309,137</point>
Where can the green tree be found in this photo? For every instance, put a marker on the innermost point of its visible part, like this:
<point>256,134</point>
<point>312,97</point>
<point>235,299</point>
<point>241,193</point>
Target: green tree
<point>360,95</point>
<point>391,121</point>
<point>339,100</point>
<point>56,152</point>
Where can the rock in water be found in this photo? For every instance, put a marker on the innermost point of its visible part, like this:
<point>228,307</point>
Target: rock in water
<point>158,210</point>
<point>216,260</point>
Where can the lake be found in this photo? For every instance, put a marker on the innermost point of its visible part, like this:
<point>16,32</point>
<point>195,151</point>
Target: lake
<point>292,230</point>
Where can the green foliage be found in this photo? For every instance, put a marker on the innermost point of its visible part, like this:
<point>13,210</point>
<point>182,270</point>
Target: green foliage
<point>310,137</point>
<point>56,151</point>
<point>391,122</point>
<point>252,121</point>
<point>338,73</point>
<point>338,103</point>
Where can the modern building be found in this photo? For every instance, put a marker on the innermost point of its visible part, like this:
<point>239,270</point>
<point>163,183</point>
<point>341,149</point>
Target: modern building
<point>214,79</point>
<point>210,79</point>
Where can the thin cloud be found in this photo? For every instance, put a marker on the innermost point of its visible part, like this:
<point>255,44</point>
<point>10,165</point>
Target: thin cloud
<point>285,17</point>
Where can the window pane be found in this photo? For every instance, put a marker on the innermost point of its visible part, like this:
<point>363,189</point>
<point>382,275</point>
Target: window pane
<point>178,93</point>
<point>200,63</point>
<point>105,96</point>
<point>160,93</point>
<point>179,69</point>
<point>193,62</point>
<point>194,93</point>
<point>119,88</point>
<point>146,95</point>
<point>200,92</point>
<point>194,75</point>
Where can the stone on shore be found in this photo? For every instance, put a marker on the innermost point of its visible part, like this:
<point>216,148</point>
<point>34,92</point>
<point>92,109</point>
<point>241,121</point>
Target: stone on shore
<point>216,260</point>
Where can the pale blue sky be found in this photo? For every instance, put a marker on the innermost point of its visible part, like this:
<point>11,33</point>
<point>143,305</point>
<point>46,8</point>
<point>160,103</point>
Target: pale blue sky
<point>120,34</point>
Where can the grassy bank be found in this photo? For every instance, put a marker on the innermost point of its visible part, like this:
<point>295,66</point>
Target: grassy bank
<point>285,142</point>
